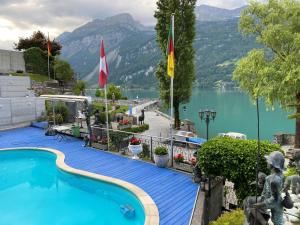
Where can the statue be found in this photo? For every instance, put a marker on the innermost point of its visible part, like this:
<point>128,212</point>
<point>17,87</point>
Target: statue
<point>142,117</point>
<point>256,208</point>
<point>294,181</point>
<point>97,117</point>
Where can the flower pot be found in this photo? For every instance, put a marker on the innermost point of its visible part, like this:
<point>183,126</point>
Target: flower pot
<point>135,150</point>
<point>161,160</point>
<point>183,166</point>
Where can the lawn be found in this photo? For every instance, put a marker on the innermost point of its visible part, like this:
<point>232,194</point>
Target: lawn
<point>35,77</point>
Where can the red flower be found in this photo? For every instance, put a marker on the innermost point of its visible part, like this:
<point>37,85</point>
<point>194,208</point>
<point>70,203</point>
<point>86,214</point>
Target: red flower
<point>193,161</point>
<point>179,157</point>
<point>135,141</point>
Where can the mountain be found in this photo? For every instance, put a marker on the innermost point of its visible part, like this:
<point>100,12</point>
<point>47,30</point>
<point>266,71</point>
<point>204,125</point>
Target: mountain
<point>210,13</point>
<point>132,51</point>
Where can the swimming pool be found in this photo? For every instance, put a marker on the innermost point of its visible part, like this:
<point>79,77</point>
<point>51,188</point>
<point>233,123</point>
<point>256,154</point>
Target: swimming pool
<point>34,191</point>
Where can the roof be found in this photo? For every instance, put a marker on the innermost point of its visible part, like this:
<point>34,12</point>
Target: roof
<point>67,98</point>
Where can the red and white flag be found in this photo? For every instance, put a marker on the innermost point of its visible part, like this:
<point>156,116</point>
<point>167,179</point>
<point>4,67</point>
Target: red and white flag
<point>103,68</point>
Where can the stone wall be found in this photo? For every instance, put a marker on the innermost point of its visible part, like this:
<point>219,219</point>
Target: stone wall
<point>11,61</point>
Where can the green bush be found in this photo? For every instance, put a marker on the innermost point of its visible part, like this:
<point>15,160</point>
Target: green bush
<point>230,218</point>
<point>145,154</point>
<point>36,61</point>
<point>117,138</point>
<point>59,108</point>
<point>161,150</point>
<point>235,160</point>
<point>137,129</point>
<point>290,172</point>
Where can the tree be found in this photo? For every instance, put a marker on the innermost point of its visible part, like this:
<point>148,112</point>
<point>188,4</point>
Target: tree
<point>273,72</point>
<point>63,71</point>
<point>184,52</point>
<point>111,89</point>
<point>80,87</point>
<point>39,40</point>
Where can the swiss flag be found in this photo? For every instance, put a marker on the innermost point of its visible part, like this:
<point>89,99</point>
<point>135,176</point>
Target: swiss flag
<point>103,69</point>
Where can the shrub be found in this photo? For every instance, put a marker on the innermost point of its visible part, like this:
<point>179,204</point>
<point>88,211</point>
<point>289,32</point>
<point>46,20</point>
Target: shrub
<point>137,129</point>
<point>235,160</point>
<point>230,218</point>
<point>291,171</point>
<point>36,61</point>
<point>161,150</point>
<point>145,154</point>
<point>59,108</point>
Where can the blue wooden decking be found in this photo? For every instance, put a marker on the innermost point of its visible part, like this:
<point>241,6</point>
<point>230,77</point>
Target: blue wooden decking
<point>173,192</point>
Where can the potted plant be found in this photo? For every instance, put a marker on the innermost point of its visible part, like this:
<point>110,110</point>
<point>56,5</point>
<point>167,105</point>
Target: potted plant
<point>135,147</point>
<point>123,124</point>
<point>161,156</point>
<point>180,163</point>
<point>179,158</point>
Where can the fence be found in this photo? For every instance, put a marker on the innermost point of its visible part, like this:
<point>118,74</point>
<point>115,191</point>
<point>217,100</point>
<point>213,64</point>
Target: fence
<point>120,140</point>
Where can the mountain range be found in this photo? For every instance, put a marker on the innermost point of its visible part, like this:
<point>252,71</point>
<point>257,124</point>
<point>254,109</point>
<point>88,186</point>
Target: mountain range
<point>132,51</point>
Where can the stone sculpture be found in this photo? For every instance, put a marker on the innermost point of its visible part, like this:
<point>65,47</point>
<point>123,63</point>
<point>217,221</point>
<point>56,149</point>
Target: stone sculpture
<point>294,181</point>
<point>256,208</point>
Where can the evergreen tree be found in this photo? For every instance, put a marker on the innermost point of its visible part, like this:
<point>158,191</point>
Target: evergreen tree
<point>184,51</point>
<point>274,71</point>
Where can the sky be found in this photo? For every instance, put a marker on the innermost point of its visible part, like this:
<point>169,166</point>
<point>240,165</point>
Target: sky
<point>19,18</point>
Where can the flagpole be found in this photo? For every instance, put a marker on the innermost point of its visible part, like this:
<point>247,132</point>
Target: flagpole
<point>48,57</point>
<point>107,123</point>
<point>172,96</point>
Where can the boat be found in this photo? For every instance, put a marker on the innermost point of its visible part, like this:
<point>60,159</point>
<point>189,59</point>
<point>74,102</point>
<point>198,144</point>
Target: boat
<point>234,135</point>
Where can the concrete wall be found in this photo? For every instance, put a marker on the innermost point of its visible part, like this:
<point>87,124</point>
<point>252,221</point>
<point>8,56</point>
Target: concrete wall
<point>14,111</point>
<point>11,61</point>
<point>14,86</point>
<point>209,203</point>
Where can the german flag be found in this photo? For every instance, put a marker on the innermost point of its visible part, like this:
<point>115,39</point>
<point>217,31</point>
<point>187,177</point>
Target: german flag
<point>49,47</point>
<point>170,53</point>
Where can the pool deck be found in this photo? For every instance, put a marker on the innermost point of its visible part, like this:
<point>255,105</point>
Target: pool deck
<point>173,192</point>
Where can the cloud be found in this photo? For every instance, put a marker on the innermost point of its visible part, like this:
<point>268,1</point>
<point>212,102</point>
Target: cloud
<point>20,18</point>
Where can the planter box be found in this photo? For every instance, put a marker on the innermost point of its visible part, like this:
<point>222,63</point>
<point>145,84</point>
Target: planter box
<point>121,127</point>
<point>183,166</point>
<point>99,146</point>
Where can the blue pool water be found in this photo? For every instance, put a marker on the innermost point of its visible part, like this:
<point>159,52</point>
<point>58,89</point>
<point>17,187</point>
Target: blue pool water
<point>33,191</point>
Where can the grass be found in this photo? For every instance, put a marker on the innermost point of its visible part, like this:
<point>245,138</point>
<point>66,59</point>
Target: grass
<point>33,76</point>
<point>122,109</point>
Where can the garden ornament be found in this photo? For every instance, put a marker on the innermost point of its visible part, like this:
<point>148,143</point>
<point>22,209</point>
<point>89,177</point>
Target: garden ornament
<point>270,199</point>
<point>294,180</point>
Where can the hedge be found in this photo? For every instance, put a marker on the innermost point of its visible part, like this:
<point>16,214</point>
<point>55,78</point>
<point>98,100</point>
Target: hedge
<point>235,160</point>
<point>230,218</point>
<point>36,61</point>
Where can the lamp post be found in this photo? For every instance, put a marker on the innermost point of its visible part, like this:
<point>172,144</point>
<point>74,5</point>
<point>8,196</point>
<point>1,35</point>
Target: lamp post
<point>207,115</point>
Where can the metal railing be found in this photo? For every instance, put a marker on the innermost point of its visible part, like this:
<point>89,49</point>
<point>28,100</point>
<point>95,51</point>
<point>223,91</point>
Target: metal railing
<point>119,141</point>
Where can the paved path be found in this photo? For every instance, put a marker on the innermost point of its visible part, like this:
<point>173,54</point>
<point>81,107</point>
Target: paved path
<point>174,193</point>
<point>159,126</point>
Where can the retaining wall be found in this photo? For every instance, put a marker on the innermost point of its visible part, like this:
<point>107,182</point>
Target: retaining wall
<point>11,61</point>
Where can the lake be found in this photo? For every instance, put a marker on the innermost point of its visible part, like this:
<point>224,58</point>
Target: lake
<point>235,112</point>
